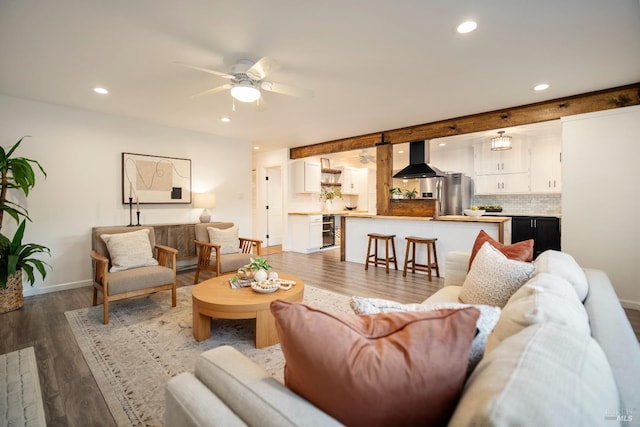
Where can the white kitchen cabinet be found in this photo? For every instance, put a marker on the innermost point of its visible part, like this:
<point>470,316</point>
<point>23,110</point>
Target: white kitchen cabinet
<point>515,160</point>
<point>307,177</point>
<point>511,183</point>
<point>546,165</point>
<point>305,233</point>
<point>350,181</point>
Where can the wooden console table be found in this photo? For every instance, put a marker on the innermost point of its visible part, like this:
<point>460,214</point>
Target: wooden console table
<point>180,237</point>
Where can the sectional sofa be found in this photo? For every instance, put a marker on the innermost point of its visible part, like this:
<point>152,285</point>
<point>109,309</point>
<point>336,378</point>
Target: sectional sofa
<point>562,353</point>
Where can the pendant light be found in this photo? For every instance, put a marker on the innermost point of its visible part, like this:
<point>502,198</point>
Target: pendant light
<point>501,142</point>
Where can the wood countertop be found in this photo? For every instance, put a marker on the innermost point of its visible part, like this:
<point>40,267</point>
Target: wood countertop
<point>464,218</point>
<point>458,218</point>
<point>342,212</point>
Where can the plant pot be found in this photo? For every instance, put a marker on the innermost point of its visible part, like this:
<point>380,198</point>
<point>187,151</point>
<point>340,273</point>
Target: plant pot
<point>11,297</point>
<point>260,275</point>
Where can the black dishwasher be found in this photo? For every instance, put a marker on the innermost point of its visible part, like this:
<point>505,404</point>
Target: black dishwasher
<point>328,231</point>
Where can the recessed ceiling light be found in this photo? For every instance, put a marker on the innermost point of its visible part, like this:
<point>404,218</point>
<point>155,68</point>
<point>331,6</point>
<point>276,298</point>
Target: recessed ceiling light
<point>256,147</point>
<point>225,119</point>
<point>100,90</point>
<point>541,86</point>
<point>442,144</point>
<point>466,27</point>
<point>400,151</point>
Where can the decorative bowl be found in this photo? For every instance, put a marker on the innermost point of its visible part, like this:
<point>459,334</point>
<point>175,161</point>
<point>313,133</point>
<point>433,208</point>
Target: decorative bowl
<point>474,213</point>
<point>263,291</point>
<point>350,208</point>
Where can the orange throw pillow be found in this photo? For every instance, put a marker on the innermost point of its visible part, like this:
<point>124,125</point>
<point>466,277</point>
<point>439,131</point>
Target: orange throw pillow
<point>377,370</point>
<point>521,251</point>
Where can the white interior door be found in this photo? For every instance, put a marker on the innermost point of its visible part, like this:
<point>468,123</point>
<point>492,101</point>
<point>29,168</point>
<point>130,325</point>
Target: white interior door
<point>274,206</point>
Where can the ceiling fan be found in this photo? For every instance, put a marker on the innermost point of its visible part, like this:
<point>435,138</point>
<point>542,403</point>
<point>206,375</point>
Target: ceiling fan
<point>365,157</point>
<point>247,79</point>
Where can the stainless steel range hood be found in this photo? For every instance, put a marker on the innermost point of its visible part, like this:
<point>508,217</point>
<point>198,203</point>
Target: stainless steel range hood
<point>418,166</point>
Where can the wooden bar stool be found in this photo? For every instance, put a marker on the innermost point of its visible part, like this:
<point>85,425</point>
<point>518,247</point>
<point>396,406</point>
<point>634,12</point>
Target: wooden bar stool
<point>374,237</point>
<point>411,262</point>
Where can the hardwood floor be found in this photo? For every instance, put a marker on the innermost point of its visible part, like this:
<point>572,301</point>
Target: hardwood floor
<point>634,319</point>
<point>70,393</point>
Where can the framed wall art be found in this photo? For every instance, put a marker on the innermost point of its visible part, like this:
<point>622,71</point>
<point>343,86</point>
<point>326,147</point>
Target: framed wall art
<point>155,179</point>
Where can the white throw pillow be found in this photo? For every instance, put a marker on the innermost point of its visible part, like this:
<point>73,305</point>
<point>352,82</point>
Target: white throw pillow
<point>488,318</point>
<point>546,375</point>
<point>547,282</point>
<point>129,250</point>
<point>564,265</point>
<point>227,239</point>
<point>493,278</point>
<point>544,298</point>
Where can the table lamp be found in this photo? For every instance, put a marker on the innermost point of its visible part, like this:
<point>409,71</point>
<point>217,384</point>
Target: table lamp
<point>204,201</point>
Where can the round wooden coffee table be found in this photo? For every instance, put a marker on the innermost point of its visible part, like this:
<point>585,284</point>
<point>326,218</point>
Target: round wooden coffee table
<point>216,298</point>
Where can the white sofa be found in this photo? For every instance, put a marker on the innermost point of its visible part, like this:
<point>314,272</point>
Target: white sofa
<point>541,367</point>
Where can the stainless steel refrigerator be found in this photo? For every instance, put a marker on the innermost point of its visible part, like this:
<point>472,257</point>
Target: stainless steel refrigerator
<point>453,191</point>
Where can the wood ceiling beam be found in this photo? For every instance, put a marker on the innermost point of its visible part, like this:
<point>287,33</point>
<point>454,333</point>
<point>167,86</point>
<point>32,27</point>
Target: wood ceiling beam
<point>623,96</point>
<point>336,146</point>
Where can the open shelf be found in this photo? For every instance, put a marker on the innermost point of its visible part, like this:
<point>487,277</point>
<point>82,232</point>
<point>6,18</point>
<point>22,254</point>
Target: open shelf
<point>331,171</point>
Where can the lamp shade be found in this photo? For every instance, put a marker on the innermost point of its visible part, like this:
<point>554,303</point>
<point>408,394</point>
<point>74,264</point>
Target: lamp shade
<point>204,200</point>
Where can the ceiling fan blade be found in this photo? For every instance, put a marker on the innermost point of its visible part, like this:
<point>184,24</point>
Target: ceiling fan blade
<point>286,89</point>
<point>262,68</point>
<point>206,70</point>
<point>210,91</point>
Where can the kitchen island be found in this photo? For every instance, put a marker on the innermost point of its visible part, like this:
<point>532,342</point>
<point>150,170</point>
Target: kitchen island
<point>454,233</point>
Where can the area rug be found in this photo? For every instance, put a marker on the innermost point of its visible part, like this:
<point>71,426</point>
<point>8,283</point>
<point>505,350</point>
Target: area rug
<point>20,395</point>
<point>147,342</point>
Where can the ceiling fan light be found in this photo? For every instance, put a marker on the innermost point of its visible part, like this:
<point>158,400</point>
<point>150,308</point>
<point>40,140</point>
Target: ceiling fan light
<point>501,142</point>
<point>245,92</point>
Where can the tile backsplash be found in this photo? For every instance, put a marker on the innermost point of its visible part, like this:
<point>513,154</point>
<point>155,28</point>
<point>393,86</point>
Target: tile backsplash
<point>549,204</point>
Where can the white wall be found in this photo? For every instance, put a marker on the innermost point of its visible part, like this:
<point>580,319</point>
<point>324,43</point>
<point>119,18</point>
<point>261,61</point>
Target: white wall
<point>601,196</point>
<point>81,153</point>
<point>453,159</point>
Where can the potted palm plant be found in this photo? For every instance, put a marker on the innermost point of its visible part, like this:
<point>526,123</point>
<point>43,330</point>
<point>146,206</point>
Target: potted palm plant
<point>17,174</point>
<point>411,194</point>
<point>396,193</point>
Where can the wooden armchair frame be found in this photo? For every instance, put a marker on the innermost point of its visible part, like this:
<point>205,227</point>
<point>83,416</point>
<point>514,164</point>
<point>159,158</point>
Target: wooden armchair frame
<point>166,257</point>
<point>247,246</point>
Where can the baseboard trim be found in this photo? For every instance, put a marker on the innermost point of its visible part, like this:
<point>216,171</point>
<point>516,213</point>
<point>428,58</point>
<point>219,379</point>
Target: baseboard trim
<point>29,291</point>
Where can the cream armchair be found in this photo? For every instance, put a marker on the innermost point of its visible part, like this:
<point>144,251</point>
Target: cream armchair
<point>229,253</point>
<point>128,263</point>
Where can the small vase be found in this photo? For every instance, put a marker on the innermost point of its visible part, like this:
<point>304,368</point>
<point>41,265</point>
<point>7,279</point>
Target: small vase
<point>260,275</point>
